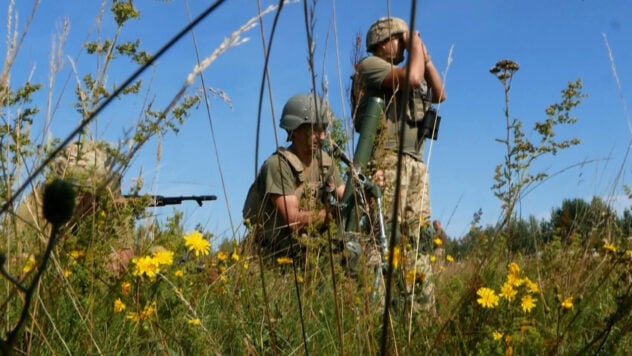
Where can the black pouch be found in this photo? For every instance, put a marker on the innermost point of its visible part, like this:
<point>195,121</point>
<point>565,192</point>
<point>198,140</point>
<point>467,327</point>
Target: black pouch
<point>429,126</point>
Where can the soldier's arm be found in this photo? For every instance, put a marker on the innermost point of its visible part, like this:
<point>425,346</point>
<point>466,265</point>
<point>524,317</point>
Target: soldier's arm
<point>288,207</point>
<point>435,83</point>
<point>397,76</point>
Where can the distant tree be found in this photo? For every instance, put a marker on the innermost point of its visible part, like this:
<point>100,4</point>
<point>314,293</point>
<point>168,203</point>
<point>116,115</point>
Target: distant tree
<point>577,218</point>
<point>525,235</point>
<point>625,222</point>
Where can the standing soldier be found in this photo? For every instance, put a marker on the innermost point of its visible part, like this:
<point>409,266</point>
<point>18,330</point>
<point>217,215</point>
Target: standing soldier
<point>379,76</point>
<point>285,199</point>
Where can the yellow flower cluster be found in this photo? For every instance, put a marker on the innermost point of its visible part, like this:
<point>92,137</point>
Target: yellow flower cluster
<point>509,290</point>
<point>146,314</point>
<point>119,306</point>
<point>149,266</point>
<point>567,303</point>
<point>30,264</point>
<point>608,246</point>
<point>126,287</point>
<point>222,256</point>
<point>284,260</point>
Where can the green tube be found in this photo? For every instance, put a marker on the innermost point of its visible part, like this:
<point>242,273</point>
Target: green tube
<point>368,130</point>
<point>370,122</point>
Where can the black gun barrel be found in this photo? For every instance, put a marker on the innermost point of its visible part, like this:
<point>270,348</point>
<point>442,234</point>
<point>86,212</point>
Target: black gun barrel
<point>160,200</point>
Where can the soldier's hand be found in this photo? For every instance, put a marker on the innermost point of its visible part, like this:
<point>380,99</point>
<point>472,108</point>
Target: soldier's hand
<point>379,179</point>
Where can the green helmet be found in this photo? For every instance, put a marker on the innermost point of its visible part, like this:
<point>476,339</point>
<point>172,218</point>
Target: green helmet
<point>300,109</point>
<point>382,29</point>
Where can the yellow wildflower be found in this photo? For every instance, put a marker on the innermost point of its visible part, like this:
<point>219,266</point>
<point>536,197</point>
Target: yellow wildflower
<point>567,303</point>
<point>234,256</point>
<point>299,279</point>
<point>179,273</point>
<point>119,306</point>
<point>145,266</point>
<point>513,268</point>
<point>497,335</point>
<point>246,265</point>
<point>195,321</point>
<point>30,264</point>
<point>514,280</point>
<point>532,287</point>
<point>67,273</point>
<point>148,312</point>
<point>164,257</point>
<point>397,257</point>
<point>488,298</point>
<point>449,258</point>
<point>437,241</point>
<point>197,243</point>
<point>135,317</point>
<point>284,260</point>
<point>508,292</point>
<point>610,247</point>
<point>433,258</point>
<point>527,303</point>
<point>414,276</point>
<point>76,254</point>
<point>222,256</point>
<point>125,288</point>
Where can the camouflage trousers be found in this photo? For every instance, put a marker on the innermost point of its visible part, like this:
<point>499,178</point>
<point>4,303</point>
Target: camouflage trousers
<point>416,282</point>
<point>414,197</point>
<point>415,275</point>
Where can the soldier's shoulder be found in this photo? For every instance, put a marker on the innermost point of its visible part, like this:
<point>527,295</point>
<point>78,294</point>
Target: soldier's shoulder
<point>281,159</point>
<point>372,61</point>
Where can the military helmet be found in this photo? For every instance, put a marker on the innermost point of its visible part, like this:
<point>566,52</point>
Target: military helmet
<point>300,109</point>
<point>384,28</point>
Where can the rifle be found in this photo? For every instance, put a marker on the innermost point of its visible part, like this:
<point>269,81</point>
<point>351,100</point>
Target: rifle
<point>356,221</point>
<point>159,200</point>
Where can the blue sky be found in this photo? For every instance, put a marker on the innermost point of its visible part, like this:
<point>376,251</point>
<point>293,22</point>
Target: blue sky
<point>554,42</point>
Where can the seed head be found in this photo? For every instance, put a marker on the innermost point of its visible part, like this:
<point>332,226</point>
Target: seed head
<point>59,201</point>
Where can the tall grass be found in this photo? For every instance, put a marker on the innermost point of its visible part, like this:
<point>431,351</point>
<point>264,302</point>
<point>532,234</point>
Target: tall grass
<point>558,286</point>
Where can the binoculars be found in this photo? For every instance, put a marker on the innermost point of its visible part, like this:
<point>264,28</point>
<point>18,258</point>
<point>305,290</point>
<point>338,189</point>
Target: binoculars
<point>429,125</point>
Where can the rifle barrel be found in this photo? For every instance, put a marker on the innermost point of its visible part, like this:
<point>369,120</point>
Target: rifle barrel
<point>160,200</point>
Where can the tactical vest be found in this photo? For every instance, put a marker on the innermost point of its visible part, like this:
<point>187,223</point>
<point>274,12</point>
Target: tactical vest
<point>254,204</point>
